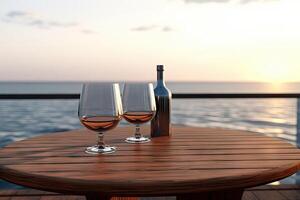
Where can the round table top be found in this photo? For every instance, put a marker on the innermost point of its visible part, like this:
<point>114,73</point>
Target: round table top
<point>191,160</point>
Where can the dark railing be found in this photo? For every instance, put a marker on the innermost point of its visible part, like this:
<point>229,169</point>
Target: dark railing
<point>175,96</point>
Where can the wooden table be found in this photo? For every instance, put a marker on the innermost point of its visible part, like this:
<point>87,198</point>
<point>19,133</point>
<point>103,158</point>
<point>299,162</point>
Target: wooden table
<point>195,163</point>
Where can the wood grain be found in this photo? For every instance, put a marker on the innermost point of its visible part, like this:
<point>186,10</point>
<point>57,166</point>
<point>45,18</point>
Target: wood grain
<point>192,160</point>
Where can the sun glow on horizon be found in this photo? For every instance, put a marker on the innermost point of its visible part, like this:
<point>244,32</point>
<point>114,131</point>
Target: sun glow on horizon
<point>275,74</point>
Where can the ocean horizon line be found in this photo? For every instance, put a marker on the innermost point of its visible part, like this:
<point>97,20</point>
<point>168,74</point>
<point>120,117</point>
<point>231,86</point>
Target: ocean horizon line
<point>170,81</point>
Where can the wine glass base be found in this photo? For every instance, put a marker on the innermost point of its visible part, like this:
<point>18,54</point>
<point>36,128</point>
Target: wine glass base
<point>97,149</point>
<point>135,140</point>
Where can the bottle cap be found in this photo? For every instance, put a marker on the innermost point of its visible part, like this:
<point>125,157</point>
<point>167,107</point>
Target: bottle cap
<point>160,68</point>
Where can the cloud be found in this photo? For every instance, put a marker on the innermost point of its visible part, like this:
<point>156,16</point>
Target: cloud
<point>153,27</point>
<point>88,31</point>
<point>31,19</point>
<point>144,28</point>
<point>17,13</point>
<point>59,24</point>
<point>167,29</point>
<point>225,1</point>
<point>34,20</point>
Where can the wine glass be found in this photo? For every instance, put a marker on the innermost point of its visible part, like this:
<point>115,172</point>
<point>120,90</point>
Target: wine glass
<point>100,109</point>
<point>139,107</point>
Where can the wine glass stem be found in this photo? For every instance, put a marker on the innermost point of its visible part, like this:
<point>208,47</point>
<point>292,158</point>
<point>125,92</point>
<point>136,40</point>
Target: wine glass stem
<point>100,140</point>
<point>137,131</point>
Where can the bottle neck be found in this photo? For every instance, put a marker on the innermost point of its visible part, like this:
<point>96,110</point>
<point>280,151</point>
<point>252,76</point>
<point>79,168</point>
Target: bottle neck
<point>160,78</point>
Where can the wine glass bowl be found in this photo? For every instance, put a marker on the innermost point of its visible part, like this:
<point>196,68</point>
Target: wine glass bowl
<point>100,124</point>
<point>139,107</point>
<point>100,110</point>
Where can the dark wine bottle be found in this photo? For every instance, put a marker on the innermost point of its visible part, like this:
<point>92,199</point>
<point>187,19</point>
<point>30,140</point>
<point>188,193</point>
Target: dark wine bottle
<point>161,123</point>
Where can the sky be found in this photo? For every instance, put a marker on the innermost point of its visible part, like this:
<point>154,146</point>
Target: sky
<point>196,40</point>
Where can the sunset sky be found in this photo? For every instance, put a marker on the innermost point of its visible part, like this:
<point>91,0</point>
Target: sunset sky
<point>197,40</point>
